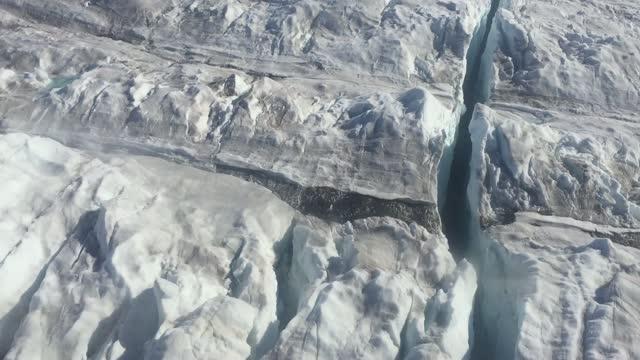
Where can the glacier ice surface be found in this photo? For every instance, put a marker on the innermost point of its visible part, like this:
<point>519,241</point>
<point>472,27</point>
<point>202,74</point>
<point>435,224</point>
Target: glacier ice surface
<point>122,239</point>
<point>140,257</point>
<point>554,183</point>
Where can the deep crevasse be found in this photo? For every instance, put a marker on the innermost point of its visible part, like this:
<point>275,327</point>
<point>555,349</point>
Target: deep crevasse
<point>320,109</point>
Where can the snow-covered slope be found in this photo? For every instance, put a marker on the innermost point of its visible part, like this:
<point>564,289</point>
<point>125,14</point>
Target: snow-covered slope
<point>559,288</point>
<point>555,181</point>
<point>131,257</point>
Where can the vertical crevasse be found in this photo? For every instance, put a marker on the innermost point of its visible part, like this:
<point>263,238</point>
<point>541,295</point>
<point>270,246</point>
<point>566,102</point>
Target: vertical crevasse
<point>456,213</point>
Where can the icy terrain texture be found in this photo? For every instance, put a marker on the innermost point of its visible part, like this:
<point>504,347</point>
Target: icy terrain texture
<point>337,94</point>
<point>236,179</point>
<point>554,183</point>
<point>125,258</point>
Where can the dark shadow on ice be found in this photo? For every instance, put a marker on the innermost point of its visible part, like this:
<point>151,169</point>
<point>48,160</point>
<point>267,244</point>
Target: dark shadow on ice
<point>335,205</point>
<point>139,325</point>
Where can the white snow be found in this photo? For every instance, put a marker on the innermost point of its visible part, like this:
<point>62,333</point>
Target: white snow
<point>540,167</point>
<point>134,257</point>
<point>380,274</point>
<point>556,290</point>
<point>139,257</point>
<point>7,79</point>
<point>215,330</point>
<point>554,184</point>
<point>449,319</point>
<point>333,95</point>
<point>131,245</point>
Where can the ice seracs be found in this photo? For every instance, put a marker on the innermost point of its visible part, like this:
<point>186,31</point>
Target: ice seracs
<point>351,98</point>
<point>138,257</point>
<point>344,110</point>
<point>130,242</point>
<point>216,329</point>
<point>320,94</point>
<point>532,166</point>
<point>371,292</point>
<point>554,183</point>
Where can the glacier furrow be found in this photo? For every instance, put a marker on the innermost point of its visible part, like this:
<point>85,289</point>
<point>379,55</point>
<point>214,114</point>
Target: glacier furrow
<point>456,213</point>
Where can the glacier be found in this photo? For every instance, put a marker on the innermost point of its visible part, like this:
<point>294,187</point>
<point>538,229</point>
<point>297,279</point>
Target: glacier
<point>553,184</point>
<point>131,257</point>
<point>236,179</point>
